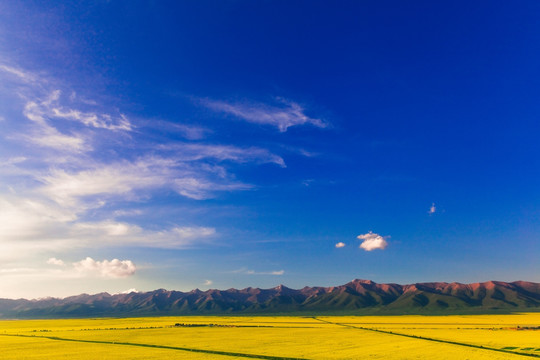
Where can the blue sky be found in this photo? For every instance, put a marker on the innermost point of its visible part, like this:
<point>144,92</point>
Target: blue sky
<point>218,144</point>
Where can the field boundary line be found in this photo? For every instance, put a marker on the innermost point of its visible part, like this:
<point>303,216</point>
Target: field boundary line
<point>215,352</point>
<point>429,339</point>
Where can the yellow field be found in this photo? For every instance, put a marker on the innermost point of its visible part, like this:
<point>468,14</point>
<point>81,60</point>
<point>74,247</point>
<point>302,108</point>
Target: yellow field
<point>339,337</point>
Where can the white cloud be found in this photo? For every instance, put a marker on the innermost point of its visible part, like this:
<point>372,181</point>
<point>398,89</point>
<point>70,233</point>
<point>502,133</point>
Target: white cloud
<point>373,241</point>
<point>46,113</point>
<point>82,172</point>
<point>89,269</point>
<point>111,179</point>
<point>432,209</point>
<point>106,228</point>
<point>34,226</point>
<point>43,134</point>
<point>116,233</point>
<point>65,188</point>
<point>188,232</point>
<point>55,261</point>
<point>191,132</point>
<point>200,189</point>
<point>253,272</point>
<point>22,218</point>
<point>108,269</point>
<point>132,212</point>
<point>179,237</point>
<point>99,121</point>
<point>49,137</point>
<point>122,179</point>
<point>129,291</point>
<point>340,245</point>
<point>194,152</point>
<point>208,282</point>
<point>246,271</point>
<point>25,76</point>
<point>283,114</point>
<point>52,109</point>
<point>13,161</point>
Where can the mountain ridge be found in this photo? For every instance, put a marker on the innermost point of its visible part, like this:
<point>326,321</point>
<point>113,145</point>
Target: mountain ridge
<point>357,297</point>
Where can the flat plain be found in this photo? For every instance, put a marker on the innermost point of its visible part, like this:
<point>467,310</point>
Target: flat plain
<point>512,336</point>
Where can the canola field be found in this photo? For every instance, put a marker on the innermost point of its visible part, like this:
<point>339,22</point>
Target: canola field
<point>515,336</point>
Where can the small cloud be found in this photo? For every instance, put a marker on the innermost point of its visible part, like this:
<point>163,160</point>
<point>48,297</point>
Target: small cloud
<point>432,209</point>
<point>107,228</point>
<point>13,160</point>
<point>200,189</point>
<point>134,212</point>
<point>109,269</point>
<point>281,114</point>
<point>253,272</point>
<point>55,261</point>
<point>21,74</point>
<point>340,245</point>
<point>208,282</point>
<point>191,132</point>
<point>195,152</point>
<point>129,291</point>
<point>53,108</point>
<point>373,241</point>
<point>189,232</point>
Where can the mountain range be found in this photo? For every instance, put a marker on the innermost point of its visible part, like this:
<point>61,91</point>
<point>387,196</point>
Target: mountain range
<point>358,297</point>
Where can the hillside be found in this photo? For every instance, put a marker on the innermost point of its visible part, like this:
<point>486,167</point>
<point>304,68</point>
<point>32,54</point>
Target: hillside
<point>356,297</point>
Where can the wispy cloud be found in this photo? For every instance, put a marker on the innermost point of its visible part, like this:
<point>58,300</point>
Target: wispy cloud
<point>195,152</point>
<point>372,241</point>
<point>66,125</point>
<point>247,271</point>
<point>193,232</point>
<point>85,268</point>
<point>208,282</point>
<point>52,215</point>
<point>53,109</point>
<point>100,182</point>
<point>24,218</point>
<point>29,226</point>
<point>281,114</point>
<point>66,188</point>
<point>191,132</point>
<point>99,121</point>
<point>43,112</point>
<point>43,134</point>
<point>12,161</point>
<point>106,228</point>
<point>340,245</point>
<point>200,189</point>
<point>22,75</point>
<point>432,209</point>
<point>77,162</point>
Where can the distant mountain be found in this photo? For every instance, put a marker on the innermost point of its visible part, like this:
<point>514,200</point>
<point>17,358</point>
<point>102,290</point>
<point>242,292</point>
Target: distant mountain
<point>358,297</point>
